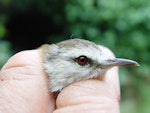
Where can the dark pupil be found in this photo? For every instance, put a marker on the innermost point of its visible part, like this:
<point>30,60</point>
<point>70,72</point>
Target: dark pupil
<point>82,60</point>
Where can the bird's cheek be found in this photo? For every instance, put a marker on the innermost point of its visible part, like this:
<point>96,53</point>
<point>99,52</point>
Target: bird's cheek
<point>98,73</point>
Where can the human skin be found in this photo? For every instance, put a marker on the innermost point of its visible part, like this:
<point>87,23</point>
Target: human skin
<point>24,88</point>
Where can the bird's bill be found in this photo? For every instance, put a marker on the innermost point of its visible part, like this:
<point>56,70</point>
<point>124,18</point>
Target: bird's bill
<point>120,62</point>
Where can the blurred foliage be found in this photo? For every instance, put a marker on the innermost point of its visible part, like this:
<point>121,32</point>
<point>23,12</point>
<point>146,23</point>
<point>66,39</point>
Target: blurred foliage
<point>121,25</point>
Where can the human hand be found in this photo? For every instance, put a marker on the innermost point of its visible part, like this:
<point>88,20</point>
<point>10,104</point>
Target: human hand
<point>24,89</point>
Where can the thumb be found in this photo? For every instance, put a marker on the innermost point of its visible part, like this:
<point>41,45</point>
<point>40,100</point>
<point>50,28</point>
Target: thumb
<point>24,86</point>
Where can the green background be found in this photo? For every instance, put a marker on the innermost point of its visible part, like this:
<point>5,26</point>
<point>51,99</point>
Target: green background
<point>121,25</point>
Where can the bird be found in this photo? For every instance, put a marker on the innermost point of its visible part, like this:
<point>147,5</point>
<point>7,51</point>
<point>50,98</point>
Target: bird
<point>74,60</point>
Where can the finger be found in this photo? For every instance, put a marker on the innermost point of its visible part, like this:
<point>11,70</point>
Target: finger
<point>111,77</point>
<point>24,83</point>
<point>91,95</point>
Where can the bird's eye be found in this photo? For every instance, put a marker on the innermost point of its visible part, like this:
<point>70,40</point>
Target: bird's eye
<point>82,60</point>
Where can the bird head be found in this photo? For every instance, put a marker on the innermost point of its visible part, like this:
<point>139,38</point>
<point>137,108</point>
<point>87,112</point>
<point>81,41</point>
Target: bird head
<point>77,59</point>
